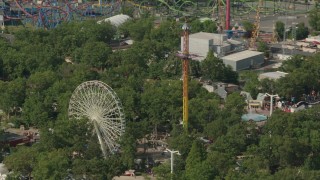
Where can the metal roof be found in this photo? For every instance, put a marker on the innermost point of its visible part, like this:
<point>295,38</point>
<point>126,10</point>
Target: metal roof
<point>241,55</point>
<point>206,36</point>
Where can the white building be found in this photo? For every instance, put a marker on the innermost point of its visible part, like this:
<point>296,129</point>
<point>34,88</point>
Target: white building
<point>244,60</point>
<point>116,20</point>
<point>202,42</point>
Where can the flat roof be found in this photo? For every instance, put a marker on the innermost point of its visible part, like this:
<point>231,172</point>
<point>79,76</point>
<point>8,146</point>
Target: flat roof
<point>241,55</point>
<point>235,42</point>
<point>207,36</point>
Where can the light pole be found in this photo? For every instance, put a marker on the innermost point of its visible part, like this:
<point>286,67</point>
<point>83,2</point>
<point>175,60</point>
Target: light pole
<point>172,152</point>
<point>271,101</point>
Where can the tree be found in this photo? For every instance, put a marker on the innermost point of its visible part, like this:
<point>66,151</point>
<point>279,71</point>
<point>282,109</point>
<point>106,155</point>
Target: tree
<point>35,112</point>
<point>52,165</point>
<point>180,140</point>
<point>251,83</point>
<point>196,26</point>
<point>165,38</point>
<point>302,31</point>
<point>314,18</point>
<point>216,128</point>
<point>267,86</point>
<point>229,75</point>
<point>22,160</point>
<point>206,26</point>
<point>220,163</point>
<point>280,29</point>
<point>263,47</point>
<point>95,54</point>
<point>202,111</point>
<point>95,168</point>
<point>137,29</point>
<point>12,96</point>
<point>295,62</point>
<point>235,103</point>
<point>194,162</point>
<point>248,27</point>
<point>162,171</point>
<point>167,96</point>
<point>233,143</point>
<point>212,67</point>
<point>209,26</point>
<point>128,148</point>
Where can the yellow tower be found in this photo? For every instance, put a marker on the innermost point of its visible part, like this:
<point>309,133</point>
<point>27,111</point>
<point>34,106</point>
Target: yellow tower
<point>256,27</point>
<point>185,68</point>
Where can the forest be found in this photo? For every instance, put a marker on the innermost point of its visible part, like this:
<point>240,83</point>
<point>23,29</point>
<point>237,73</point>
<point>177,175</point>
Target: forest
<point>34,76</point>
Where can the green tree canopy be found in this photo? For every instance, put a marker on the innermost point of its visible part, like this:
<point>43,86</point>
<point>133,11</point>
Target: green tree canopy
<point>280,29</point>
<point>314,18</point>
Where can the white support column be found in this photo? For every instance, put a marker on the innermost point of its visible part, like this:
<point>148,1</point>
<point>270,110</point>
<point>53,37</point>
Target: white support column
<point>271,101</point>
<point>172,152</point>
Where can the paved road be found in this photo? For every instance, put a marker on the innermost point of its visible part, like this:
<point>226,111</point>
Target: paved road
<point>268,19</point>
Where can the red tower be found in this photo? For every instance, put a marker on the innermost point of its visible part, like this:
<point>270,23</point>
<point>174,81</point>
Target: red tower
<point>228,15</point>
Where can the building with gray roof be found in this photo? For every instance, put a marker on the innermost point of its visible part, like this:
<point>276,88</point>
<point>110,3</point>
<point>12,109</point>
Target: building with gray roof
<point>244,60</point>
<point>202,42</point>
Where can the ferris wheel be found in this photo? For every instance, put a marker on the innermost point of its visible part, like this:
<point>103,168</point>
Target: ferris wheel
<point>97,102</point>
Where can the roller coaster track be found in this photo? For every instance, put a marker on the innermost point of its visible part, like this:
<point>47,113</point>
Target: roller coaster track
<point>50,13</point>
<point>177,7</point>
<point>140,6</point>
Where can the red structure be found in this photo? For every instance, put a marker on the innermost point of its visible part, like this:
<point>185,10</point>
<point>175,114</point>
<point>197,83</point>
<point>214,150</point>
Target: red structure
<point>228,15</point>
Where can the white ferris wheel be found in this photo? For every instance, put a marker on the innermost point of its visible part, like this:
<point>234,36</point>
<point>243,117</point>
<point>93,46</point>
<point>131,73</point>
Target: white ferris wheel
<point>97,102</point>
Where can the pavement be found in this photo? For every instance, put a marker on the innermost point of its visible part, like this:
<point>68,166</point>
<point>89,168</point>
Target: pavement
<point>268,19</point>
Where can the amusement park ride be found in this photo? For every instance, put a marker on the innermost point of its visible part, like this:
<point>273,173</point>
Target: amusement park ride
<point>49,13</point>
<point>256,27</point>
<point>223,22</point>
<point>185,64</point>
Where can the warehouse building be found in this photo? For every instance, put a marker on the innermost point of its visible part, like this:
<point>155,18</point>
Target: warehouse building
<point>202,42</point>
<point>244,60</point>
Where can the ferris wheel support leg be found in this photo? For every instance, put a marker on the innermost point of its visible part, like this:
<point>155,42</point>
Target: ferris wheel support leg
<point>103,148</point>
